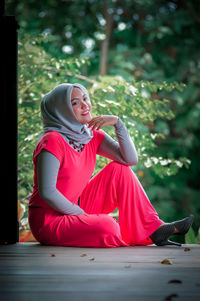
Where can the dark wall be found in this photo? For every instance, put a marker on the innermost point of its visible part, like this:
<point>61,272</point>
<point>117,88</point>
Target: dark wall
<point>8,129</point>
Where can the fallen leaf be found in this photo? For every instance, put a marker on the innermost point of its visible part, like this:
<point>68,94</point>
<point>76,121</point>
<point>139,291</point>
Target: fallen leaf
<point>53,255</point>
<point>82,255</point>
<point>186,249</point>
<point>169,298</point>
<point>166,261</point>
<point>175,281</point>
<point>127,266</point>
<point>92,259</point>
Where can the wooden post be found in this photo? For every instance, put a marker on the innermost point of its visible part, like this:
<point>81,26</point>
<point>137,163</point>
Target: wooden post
<point>8,128</point>
<point>105,44</point>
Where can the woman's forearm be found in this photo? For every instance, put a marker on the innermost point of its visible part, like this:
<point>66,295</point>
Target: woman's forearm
<point>127,147</point>
<point>123,151</point>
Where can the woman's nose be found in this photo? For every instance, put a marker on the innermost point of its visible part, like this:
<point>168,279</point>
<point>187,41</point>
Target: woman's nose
<point>84,104</point>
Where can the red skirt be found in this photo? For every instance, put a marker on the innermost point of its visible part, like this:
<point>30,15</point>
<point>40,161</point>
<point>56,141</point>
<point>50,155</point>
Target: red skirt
<point>115,186</point>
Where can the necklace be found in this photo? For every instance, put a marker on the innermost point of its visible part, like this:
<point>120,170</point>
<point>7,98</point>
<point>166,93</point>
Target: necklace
<point>78,147</point>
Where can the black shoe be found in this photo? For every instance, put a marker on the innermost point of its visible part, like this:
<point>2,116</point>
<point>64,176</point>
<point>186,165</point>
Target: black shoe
<point>169,242</point>
<point>161,235</point>
<point>183,225</point>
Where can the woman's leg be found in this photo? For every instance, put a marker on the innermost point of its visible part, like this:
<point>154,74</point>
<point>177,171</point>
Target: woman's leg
<point>86,230</point>
<point>117,186</point>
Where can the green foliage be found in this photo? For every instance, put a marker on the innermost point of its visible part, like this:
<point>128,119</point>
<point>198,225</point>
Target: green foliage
<point>38,74</point>
<point>130,100</point>
<point>158,43</point>
<point>191,238</point>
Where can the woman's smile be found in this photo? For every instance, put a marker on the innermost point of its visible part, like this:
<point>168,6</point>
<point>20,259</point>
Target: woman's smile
<point>86,113</point>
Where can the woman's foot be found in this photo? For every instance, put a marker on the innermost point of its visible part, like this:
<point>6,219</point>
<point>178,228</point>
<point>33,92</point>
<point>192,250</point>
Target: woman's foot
<point>183,226</point>
<point>161,235</point>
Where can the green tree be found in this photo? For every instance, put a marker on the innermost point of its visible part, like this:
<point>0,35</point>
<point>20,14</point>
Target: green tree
<point>147,40</point>
<point>39,73</point>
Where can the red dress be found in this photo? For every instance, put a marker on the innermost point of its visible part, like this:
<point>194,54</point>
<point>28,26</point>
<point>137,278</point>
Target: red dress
<point>114,186</point>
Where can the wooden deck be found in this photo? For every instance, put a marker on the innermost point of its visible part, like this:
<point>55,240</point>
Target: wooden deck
<point>29,271</point>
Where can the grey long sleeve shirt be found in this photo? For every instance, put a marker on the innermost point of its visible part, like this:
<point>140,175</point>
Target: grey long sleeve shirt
<point>48,165</point>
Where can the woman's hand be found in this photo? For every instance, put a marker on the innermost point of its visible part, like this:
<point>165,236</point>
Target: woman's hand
<point>102,120</point>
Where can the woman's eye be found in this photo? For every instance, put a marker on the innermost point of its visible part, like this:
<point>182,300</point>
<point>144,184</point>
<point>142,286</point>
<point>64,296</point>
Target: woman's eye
<point>85,99</point>
<point>74,103</point>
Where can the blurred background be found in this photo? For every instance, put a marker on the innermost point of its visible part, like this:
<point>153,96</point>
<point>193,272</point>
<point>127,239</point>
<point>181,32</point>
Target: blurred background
<point>139,41</point>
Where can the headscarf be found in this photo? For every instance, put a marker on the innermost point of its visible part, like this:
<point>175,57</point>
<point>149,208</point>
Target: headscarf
<point>58,115</point>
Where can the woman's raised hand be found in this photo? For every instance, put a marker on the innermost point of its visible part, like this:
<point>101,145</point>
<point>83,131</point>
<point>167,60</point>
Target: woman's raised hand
<point>102,120</point>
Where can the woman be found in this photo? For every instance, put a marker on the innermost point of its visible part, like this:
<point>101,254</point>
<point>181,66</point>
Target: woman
<point>69,208</point>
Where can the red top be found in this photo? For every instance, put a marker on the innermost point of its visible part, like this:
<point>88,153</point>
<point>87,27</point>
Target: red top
<point>76,168</point>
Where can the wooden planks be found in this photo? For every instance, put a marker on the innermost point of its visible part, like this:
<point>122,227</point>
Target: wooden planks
<point>29,271</point>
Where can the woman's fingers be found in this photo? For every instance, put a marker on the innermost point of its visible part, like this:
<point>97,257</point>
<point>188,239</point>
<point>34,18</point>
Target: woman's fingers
<point>103,120</point>
<point>100,125</point>
<point>95,119</point>
<point>97,124</point>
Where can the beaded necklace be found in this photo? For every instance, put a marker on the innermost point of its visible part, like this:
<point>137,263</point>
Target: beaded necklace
<point>78,147</point>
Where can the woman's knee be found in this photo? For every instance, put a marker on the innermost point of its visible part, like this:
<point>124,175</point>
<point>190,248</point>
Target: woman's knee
<point>121,169</point>
<point>108,225</point>
<point>117,166</point>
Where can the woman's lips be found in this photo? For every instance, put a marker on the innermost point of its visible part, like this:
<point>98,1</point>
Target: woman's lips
<point>86,113</point>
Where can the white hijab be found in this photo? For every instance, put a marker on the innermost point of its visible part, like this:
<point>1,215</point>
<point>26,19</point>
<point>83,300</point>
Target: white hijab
<point>58,115</point>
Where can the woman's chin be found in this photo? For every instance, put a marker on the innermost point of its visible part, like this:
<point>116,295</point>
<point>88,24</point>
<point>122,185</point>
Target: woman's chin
<point>86,119</point>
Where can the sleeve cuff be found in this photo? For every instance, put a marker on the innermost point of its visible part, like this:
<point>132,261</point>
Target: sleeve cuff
<point>119,124</point>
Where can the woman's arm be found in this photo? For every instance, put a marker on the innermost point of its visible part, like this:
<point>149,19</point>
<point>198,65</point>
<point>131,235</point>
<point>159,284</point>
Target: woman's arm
<point>47,172</point>
<point>122,151</point>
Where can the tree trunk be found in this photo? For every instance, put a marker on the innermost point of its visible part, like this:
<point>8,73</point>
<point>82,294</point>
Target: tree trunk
<point>105,44</point>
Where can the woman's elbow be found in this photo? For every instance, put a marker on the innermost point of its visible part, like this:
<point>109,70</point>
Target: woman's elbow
<point>44,193</point>
<point>133,161</point>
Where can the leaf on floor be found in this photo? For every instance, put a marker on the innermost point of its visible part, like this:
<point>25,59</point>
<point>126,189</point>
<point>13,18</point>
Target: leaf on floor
<point>83,255</point>
<point>92,259</point>
<point>186,249</point>
<point>127,266</point>
<point>175,281</point>
<point>166,261</point>
<point>53,255</point>
<point>170,297</point>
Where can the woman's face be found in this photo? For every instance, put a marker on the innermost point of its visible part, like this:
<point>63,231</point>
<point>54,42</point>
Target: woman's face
<point>81,106</point>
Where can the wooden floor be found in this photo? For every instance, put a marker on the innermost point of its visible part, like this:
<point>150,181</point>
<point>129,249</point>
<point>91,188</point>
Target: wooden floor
<point>29,271</point>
